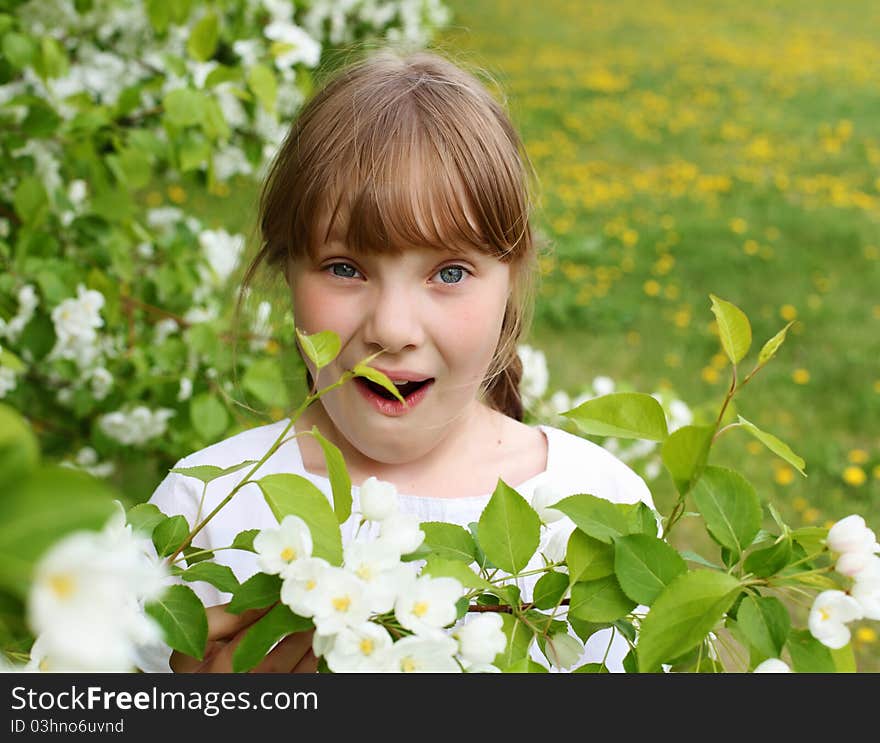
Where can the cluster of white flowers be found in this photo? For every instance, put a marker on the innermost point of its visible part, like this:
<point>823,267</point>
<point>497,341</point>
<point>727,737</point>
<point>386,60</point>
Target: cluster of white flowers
<point>222,252</point>
<point>137,425</point>
<point>27,302</point>
<point>8,381</point>
<point>347,603</point>
<point>535,375</point>
<point>344,16</point>
<point>856,547</point>
<point>86,459</point>
<point>76,322</point>
<point>86,603</point>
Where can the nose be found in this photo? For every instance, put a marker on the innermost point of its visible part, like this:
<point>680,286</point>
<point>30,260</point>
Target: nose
<point>392,320</point>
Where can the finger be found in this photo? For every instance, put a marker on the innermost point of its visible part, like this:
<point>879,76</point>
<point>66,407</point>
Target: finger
<point>181,663</point>
<point>221,661</point>
<point>222,624</point>
<point>284,657</point>
<point>308,664</point>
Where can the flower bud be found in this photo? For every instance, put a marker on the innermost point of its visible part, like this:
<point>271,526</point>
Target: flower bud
<point>543,497</point>
<point>772,665</point>
<point>378,499</point>
<point>563,650</point>
<point>851,535</point>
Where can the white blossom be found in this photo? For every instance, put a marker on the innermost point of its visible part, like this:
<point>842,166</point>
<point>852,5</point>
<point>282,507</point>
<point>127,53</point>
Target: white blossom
<point>378,565</point>
<point>603,386</point>
<point>340,601</point>
<point>164,218</point>
<point>184,393</point>
<point>866,588</point>
<point>543,497</point>
<point>360,649</point>
<point>8,381</point>
<point>162,329</point>
<point>102,382</point>
<point>222,252</point>
<point>27,303</point>
<point>402,531</point>
<point>481,639</point>
<point>831,612</point>
<point>378,499</point>
<point>851,534</point>
<point>301,581</point>
<point>416,654</point>
<point>76,321</point>
<point>772,665</point>
<point>428,604</point>
<point>137,425</point>
<point>535,375</point>
<point>563,650</point>
<point>298,46</point>
<point>277,549</point>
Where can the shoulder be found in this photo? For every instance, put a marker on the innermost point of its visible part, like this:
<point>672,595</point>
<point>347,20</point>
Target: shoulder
<point>181,494</point>
<point>577,465</point>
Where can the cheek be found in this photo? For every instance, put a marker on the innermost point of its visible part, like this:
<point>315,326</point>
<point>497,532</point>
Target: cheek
<point>315,309</point>
<point>471,332</point>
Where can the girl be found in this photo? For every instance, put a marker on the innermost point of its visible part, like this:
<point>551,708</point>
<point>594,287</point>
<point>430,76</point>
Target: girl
<point>397,211</point>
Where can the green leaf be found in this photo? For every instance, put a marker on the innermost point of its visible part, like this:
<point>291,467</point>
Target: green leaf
<point>321,348</point>
<point>588,558</point>
<point>779,448</point>
<point>592,668</point>
<point>30,201</point>
<point>219,576</point>
<point>195,554</point>
<point>509,530</point>
<point>9,360</point>
<point>39,509</point>
<point>770,560</point>
<point>169,534</point>
<point>203,38</point>
<point>844,659</point>
<point>208,415</point>
<point>292,494</point>
<point>549,590</point>
<point>629,415</point>
<point>599,518</point>
<point>262,635</point>
<point>699,559</point>
<point>645,565</point>
<point>257,592</point>
<point>771,346</point>
<point>18,49</point>
<point>144,517</point>
<point>440,567</point>
<point>733,328</point>
<point>640,518</point>
<point>340,482</point>
<point>765,622</point>
<point>261,80</point>
<point>184,107</point>
<point>599,600</point>
<point>209,472</point>
<point>449,541</point>
<point>685,453</point>
<point>519,639</point>
<point>52,60</point>
<point>808,655</point>
<point>526,665</point>
<point>730,507</point>
<point>682,615</point>
<point>360,370</point>
<point>264,381</point>
<point>182,617</point>
<point>214,121</point>
<point>811,538</point>
<point>19,451</point>
<point>244,540</point>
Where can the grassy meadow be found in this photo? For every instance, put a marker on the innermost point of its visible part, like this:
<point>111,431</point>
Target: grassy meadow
<point>684,149</point>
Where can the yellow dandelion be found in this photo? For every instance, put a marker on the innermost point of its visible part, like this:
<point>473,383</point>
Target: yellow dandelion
<point>877,386</point>
<point>667,221</point>
<point>799,503</point>
<point>682,318</point>
<point>788,312</point>
<point>710,374</point>
<point>814,301</point>
<point>854,476</point>
<point>630,237</point>
<point>176,193</point>
<point>772,233</point>
<point>221,189</point>
<point>875,473</point>
<point>784,476</point>
<point>867,635</point>
<point>738,225</point>
<point>719,361</point>
<point>754,447</point>
<point>871,252</point>
<point>750,247</point>
<point>672,359</point>
<point>154,199</point>
<point>857,456</point>
<point>800,376</point>
<point>651,287</point>
<point>672,292</point>
<point>811,515</point>
<point>875,311</point>
<point>633,337</point>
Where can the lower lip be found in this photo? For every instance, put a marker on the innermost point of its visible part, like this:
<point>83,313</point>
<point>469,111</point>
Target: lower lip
<point>393,408</point>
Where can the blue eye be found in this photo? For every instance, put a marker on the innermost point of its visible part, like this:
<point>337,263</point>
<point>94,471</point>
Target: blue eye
<point>455,274</point>
<point>345,274</point>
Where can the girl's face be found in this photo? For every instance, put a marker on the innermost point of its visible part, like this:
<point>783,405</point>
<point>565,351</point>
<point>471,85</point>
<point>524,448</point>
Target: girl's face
<point>437,315</point>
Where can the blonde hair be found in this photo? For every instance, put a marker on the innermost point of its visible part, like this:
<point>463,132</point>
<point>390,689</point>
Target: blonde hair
<point>410,149</point>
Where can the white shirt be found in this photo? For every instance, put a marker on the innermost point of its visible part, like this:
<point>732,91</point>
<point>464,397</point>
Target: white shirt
<point>574,465</point>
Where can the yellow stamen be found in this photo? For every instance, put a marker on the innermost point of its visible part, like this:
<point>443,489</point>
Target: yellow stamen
<point>825,614</point>
<point>63,585</point>
<point>288,554</point>
<point>408,665</point>
<point>420,608</point>
<point>367,646</point>
<point>341,603</point>
<point>364,572</point>
<point>310,585</point>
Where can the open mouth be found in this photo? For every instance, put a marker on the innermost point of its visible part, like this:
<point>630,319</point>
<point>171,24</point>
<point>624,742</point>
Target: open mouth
<point>405,388</point>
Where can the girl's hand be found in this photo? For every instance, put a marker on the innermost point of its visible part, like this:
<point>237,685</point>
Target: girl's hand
<point>292,655</point>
